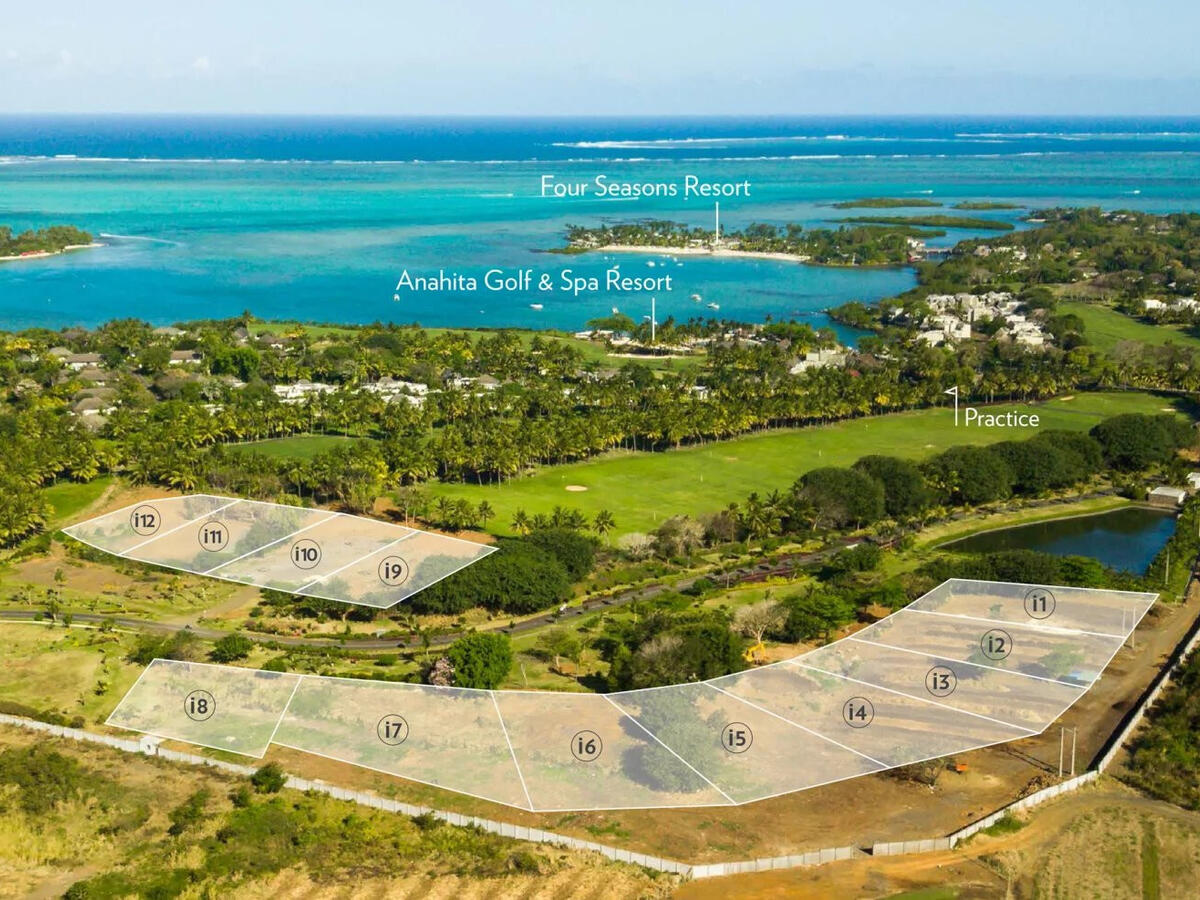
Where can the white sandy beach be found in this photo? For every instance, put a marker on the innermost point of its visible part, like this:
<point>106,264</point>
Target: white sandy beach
<point>42,254</point>
<point>701,251</point>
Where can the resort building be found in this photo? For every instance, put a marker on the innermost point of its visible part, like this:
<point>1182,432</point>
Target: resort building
<point>1169,497</point>
<point>817,359</point>
<point>80,361</point>
<point>391,389</point>
<point>298,391</point>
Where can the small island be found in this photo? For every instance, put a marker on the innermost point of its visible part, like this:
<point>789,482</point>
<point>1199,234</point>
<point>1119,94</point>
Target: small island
<point>44,242</point>
<point>934,221</point>
<point>860,245</point>
<point>985,205</point>
<point>886,203</point>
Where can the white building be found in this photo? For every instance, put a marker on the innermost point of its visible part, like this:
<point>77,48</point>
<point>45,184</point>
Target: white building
<point>294,393</point>
<point>817,359</point>
<point>392,389</point>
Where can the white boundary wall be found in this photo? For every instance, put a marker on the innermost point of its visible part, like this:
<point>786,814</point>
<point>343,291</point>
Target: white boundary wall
<point>1163,678</point>
<point>149,747</point>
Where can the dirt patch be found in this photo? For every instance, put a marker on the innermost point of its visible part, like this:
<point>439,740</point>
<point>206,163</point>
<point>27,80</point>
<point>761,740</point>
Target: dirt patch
<point>123,496</point>
<point>1091,843</point>
<point>869,809</point>
<point>575,488</point>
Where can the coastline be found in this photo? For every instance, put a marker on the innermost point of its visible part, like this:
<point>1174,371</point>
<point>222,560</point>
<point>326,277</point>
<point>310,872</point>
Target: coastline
<point>44,254</point>
<point>727,253</point>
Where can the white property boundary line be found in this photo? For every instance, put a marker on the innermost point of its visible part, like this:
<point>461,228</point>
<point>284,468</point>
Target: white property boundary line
<point>963,662</point>
<point>771,786</point>
<point>230,562</point>
<point>484,550</point>
<point>503,829</point>
<point>686,870</point>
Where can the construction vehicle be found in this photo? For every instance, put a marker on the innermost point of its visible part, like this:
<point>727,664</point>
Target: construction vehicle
<point>756,655</point>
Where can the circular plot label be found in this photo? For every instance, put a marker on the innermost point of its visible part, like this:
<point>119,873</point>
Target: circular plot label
<point>393,571</point>
<point>736,737</point>
<point>941,681</point>
<point>1040,603</point>
<point>145,520</point>
<point>306,554</point>
<point>586,746</point>
<point>213,535</point>
<point>199,705</point>
<point>392,729</point>
<point>996,644</point>
<point>858,712</point>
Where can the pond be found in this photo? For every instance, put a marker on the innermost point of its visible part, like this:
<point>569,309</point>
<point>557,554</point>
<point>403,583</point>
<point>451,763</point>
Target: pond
<point>1126,539</point>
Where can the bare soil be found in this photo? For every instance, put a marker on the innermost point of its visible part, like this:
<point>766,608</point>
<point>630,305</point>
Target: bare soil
<point>869,809</point>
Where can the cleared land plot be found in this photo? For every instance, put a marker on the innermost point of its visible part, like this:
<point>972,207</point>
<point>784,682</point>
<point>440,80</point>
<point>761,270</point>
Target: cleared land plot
<point>220,707</point>
<point>642,489</point>
<point>311,552</point>
<point>733,740</point>
<point>449,738</point>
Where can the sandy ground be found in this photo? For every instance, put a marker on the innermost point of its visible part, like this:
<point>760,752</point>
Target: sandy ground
<point>701,251</point>
<point>872,808</point>
<point>1071,847</point>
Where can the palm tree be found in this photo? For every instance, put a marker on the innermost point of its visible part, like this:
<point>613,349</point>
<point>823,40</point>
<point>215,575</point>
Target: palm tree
<point>603,523</point>
<point>520,522</point>
<point>485,512</point>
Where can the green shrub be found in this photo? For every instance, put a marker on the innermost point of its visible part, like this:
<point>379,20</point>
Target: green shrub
<point>269,778</point>
<point>481,660</point>
<point>231,648</point>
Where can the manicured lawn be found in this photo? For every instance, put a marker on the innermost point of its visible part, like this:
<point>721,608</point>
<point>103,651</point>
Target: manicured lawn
<point>590,350</point>
<point>298,446</point>
<point>1105,328</point>
<point>643,489</point>
<point>69,498</point>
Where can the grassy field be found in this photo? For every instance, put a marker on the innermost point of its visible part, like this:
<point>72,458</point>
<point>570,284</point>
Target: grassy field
<point>73,671</point>
<point>70,498</point>
<point>121,823</point>
<point>643,489</point>
<point>297,446</point>
<point>1105,328</point>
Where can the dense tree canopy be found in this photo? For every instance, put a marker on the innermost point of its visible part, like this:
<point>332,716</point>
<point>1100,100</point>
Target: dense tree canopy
<point>480,660</point>
<point>519,578</point>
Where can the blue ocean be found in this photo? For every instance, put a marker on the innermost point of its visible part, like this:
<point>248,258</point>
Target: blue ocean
<point>316,218</point>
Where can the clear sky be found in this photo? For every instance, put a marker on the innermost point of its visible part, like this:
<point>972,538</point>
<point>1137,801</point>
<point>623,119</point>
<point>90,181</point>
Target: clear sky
<point>601,56</point>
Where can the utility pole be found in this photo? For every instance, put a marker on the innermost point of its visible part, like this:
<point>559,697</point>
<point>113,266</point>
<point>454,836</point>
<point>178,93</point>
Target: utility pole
<point>653,319</point>
<point>1074,732</point>
<point>716,224</point>
<point>1062,737</point>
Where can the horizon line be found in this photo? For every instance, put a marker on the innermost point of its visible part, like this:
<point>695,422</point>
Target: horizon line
<point>594,116</point>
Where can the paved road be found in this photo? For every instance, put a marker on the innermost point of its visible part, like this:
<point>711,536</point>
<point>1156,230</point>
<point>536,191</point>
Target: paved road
<point>784,565</point>
<point>745,574</point>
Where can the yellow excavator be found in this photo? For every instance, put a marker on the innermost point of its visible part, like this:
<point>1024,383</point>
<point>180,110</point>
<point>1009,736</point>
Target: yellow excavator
<point>756,655</point>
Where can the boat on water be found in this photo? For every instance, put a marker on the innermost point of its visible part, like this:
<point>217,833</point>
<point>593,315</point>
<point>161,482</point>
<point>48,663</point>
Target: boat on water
<point>651,263</point>
<point>714,305</point>
<point>696,298</point>
<point>536,306</point>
